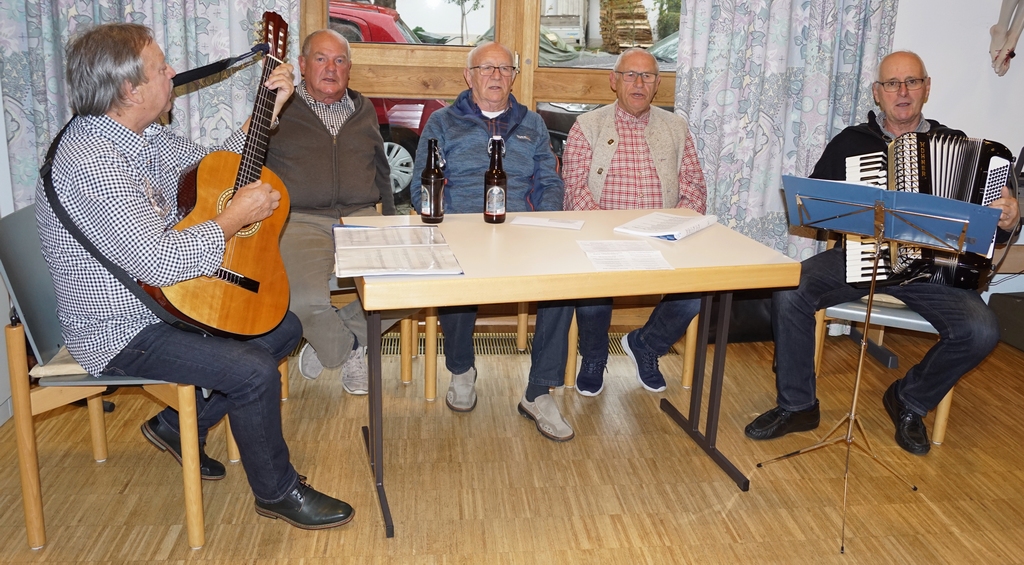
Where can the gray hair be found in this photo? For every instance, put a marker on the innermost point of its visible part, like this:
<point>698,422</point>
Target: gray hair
<point>904,52</point>
<point>472,54</point>
<point>309,41</point>
<point>99,62</point>
<point>634,50</point>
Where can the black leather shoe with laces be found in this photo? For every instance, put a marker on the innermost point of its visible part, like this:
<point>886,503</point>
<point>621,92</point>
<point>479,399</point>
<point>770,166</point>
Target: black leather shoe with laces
<point>307,509</point>
<point>911,433</point>
<point>166,439</point>
<point>778,422</point>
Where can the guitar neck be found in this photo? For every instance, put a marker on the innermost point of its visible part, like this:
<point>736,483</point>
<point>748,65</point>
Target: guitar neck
<point>255,151</point>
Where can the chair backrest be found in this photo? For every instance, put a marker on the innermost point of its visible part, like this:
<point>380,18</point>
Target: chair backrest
<point>28,282</point>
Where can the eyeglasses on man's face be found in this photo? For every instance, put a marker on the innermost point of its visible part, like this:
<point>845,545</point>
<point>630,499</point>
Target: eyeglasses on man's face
<point>488,70</point>
<point>894,85</point>
<point>630,76</point>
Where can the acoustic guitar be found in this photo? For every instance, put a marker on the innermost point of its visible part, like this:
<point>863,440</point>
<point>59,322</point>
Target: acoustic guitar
<point>248,295</point>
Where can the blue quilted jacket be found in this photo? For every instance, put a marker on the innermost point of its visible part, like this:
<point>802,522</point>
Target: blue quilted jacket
<point>461,132</point>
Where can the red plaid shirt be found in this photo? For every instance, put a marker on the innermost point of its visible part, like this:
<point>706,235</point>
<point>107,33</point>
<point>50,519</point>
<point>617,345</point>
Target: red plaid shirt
<point>632,180</point>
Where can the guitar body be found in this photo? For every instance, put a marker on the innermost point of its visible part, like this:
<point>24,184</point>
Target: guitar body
<point>219,304</point>
<point>248,295</point>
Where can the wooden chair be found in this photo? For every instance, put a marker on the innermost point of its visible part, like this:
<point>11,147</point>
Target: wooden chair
<point>62,381</point>
<point>886,312</point>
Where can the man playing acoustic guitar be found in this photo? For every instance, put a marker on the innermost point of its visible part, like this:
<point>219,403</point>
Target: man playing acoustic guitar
<point>117,173</point>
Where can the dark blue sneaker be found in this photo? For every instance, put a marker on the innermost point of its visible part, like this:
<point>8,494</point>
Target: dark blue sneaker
<point>590,380</point>
<point>645,361</point>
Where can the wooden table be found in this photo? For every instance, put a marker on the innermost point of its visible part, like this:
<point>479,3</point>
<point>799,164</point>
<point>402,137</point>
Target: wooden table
<point>506,263</point>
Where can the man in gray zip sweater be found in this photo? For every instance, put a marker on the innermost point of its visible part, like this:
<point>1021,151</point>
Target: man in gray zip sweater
<point>329,153</point>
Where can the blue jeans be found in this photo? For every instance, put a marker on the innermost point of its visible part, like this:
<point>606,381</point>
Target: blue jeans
<point>968,332</point>
<point>667,323</point>
<point>246,383</point>
<point>550,340</point>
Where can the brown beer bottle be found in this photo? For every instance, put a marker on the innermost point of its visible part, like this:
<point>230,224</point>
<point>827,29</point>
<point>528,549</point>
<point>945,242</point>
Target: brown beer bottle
<point>495,183</point>
<point>432,186</point>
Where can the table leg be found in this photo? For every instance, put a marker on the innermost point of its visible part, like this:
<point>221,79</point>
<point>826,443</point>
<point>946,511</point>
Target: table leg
<point>373,435</point>
<point>691,423</point>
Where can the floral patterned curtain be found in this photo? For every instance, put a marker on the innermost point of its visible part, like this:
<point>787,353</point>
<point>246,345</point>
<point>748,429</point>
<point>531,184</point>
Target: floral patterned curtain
<point>765,85</point>
<point>192,33</point>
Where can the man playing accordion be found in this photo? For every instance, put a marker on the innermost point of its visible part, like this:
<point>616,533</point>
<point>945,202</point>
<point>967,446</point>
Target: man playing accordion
<point>968,330</point>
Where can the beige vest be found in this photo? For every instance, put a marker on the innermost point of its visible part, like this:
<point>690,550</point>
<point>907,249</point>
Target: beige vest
<point>666,135</point>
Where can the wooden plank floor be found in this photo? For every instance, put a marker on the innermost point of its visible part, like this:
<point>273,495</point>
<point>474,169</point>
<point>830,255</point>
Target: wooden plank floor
<point>485,487</point>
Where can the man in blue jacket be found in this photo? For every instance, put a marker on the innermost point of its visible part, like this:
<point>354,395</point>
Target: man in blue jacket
<point>462,131</point>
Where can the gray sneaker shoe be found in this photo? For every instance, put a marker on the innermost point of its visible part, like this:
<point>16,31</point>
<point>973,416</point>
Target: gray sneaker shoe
<point>309,363</point>
<point>550,422</point>
<point>461,395</point>
<point>354,375</point>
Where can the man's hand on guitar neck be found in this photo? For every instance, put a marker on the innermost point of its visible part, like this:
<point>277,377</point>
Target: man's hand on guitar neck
<point>1010,210</point>
<point>282,79</point>
<point>251,203</point>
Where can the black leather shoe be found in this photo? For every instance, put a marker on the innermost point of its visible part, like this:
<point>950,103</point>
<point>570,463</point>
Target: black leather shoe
<point>778,422</point>
<point>166,439</point>
<point>911,433</point>
<point>308,509</point>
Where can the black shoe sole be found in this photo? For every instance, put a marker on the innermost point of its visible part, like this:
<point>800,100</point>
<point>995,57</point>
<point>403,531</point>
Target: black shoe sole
<point>271,514</point>
<point>162,445</point>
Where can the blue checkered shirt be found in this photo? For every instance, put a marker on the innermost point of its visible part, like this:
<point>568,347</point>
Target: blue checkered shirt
<point>121,190</point>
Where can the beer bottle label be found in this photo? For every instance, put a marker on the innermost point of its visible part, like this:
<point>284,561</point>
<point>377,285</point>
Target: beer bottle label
<point>425,199</point>
<point>495,203</point>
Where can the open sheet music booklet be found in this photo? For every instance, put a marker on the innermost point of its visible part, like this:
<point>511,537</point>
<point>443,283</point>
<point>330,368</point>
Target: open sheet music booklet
<point>666,226</point>
<point>397,250</point>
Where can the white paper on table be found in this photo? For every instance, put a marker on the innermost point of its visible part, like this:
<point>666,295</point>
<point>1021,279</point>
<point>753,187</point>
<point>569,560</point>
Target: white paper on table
<point>390,236</point>
<point>528,220</point>
<point>608,245</point>
<point>630,261</point>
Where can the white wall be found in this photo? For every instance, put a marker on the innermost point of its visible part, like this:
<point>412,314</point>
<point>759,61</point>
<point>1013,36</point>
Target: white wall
<point>953,39</point>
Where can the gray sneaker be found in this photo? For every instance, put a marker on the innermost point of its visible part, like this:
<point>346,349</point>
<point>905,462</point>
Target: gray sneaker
<point>309,363</point>
<point>461,395</point>
<point>354,374</point>
<point>550,422</point>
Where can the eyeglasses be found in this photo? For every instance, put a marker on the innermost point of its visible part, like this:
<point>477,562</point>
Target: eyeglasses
<point>488,70</point>
<point>630,76</point>
<point>894,85</point>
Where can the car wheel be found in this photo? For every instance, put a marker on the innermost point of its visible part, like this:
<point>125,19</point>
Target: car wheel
<point>401,163</point>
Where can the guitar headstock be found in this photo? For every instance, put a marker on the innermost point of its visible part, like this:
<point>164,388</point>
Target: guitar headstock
<point>275,34</point>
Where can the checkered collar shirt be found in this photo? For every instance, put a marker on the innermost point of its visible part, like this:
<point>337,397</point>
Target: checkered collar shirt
<point>632,180</point>
<point>333,115</point>
<point>120,189</point>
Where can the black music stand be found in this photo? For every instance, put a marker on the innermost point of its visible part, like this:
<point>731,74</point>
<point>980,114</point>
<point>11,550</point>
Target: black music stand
<point>888,216</point>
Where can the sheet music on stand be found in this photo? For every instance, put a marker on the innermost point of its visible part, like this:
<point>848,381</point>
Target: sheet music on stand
<point>919,219</point>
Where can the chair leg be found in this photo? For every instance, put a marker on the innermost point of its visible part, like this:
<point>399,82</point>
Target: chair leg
<point>430,356</point>
<point>233,455</point>
<point>690,351</point>
<point>25,433</point>
<point>189,430</point>
<point>941,417</point>
<point>522,325</point>
<point>282,367</point>
<point>97,428</point>
<point>819,338</point>
<point>405,342</point>
<point>570,359</point>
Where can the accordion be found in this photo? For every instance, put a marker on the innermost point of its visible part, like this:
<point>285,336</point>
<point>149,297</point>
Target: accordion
<point>961,168</point>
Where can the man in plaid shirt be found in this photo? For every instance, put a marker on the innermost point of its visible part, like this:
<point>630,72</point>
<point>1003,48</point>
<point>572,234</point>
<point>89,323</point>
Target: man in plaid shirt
<point>117,173</point>
<point>630,155</point>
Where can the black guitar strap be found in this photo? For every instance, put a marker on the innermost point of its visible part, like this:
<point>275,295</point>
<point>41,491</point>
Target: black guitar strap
<point>46,173</point>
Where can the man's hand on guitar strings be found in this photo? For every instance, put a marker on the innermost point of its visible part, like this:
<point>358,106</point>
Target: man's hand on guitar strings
<point>251,203</point>
<point>1010,210</point>
<point>282,79</point>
